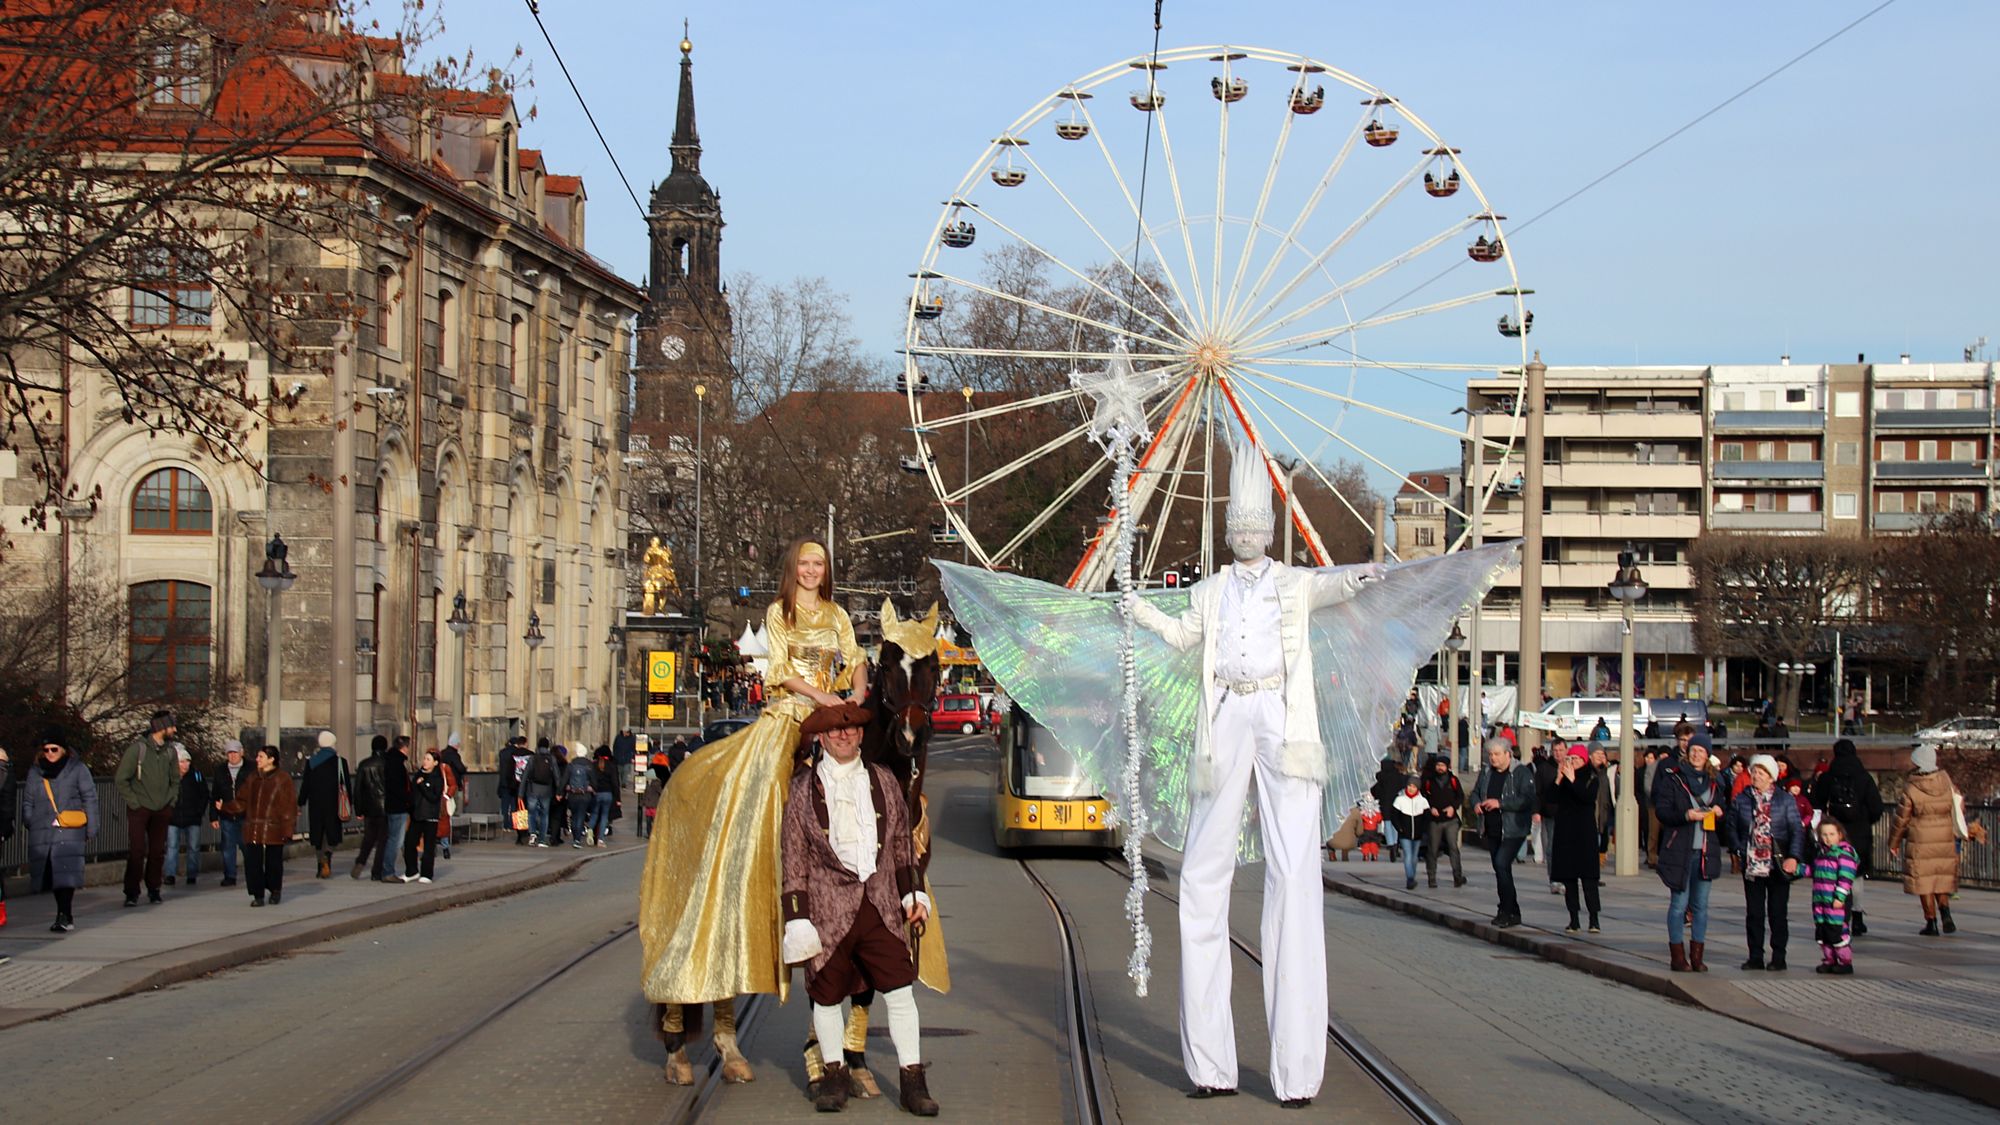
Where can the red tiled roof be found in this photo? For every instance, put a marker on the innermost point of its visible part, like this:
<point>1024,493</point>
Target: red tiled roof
<point>1433,481</point>
<point>530,159</point>
<point>563,185</point>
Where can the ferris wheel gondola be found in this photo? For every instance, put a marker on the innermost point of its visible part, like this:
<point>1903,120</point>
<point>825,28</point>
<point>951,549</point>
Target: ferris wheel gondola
<point>1251,311</point>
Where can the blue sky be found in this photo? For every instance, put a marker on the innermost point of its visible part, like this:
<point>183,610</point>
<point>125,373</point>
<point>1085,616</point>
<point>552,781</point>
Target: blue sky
<point>1838,209</point>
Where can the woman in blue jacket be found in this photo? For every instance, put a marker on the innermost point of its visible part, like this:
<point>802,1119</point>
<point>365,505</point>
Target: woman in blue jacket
<point>1687,802</point>
<point>1770,844</point>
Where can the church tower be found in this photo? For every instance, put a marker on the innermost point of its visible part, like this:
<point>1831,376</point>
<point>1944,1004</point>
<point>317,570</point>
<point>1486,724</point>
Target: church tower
<point>685,331</point>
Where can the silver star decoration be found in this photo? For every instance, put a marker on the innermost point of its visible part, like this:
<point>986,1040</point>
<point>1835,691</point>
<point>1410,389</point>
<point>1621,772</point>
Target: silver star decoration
<point>1121,394</point>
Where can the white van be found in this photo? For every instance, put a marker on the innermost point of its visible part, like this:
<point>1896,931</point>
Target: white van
<point>1574,717</point>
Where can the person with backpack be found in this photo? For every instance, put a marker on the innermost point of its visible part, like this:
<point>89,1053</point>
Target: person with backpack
<point>371,788</point>
<point>1847,792</point>
<point>538,785</point>
<point>511,766</point>
<point>327,793</point>
<point>579,793</point>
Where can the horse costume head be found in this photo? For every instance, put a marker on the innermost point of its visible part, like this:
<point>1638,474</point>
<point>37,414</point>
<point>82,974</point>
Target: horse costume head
<point>906,685</point>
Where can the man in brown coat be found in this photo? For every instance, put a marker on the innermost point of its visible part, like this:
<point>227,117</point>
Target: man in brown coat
<point>850,892</point>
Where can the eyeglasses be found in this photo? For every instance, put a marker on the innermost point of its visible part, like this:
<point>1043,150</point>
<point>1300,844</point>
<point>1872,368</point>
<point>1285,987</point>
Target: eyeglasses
<point>52,749</point>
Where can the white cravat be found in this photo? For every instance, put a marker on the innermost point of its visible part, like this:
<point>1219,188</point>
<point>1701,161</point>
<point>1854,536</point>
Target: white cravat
<point>850,814</point>
<point>1247,625</point>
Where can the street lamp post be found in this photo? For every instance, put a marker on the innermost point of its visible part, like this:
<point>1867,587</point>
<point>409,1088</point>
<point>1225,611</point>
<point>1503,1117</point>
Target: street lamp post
<point>1628,588</point>
<point>965,501</point>
<point>460,624</point>
<point>700,609</point>
<point>534,639</point>
<point>1453,645</point>
<point>615,644</point>
<point>277,577</point>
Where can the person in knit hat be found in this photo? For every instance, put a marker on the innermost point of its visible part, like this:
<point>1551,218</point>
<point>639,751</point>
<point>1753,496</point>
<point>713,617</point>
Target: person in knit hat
<point>321,790</point>
<point>1848,793</point>
<point>1926,821</point>
<point>150,783</point>
<point>192,809</point>
<point>1770,847</point>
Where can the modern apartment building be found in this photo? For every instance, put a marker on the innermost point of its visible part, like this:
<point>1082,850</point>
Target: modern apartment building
<point>1651,458</point>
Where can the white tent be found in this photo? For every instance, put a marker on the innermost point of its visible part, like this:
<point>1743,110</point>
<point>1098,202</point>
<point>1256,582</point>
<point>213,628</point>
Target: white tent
<point>752,647</point>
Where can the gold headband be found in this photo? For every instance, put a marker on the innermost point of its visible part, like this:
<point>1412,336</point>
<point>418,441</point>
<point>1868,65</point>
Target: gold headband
<point>811,550</point>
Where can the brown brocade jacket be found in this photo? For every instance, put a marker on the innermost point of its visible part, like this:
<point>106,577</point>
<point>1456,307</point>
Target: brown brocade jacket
<point>819,887</point>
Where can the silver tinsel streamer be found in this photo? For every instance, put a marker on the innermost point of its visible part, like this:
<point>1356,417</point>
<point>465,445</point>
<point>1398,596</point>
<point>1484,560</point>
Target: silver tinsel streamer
<point>1118,425</point>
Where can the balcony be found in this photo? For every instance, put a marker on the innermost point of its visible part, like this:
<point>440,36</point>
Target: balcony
<point>1590,576</point>
<point>1930,470</point>
<point>1901,521</point>
<point>1769,470</point>
<point>1932,419</point>
<point>1625,425</point>
<point>1640,476</point>
<point>1768,521</point>
<point>1787,421</point>
<point>1620,525</point>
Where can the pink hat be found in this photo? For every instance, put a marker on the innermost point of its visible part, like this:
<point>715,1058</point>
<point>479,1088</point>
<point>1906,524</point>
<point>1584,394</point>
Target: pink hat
<point>1578,750</point>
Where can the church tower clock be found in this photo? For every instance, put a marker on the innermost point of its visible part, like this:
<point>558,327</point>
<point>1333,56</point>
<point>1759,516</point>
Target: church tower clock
<point>684,331</point>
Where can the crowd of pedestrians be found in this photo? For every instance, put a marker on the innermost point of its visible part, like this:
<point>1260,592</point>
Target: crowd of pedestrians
<point>1757,817</point>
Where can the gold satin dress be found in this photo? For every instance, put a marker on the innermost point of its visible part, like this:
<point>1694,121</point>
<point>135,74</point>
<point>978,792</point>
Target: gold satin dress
<point>709,917</point>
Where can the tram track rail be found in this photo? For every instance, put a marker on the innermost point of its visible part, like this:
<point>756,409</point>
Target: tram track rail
<point>708,1084</point>
<point>1090,1082</point>
<point>373,1092</point>
<point>1412,1098</point>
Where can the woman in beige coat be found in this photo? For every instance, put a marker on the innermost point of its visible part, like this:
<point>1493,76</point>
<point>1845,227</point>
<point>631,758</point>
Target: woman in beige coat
<point>1924,820</point>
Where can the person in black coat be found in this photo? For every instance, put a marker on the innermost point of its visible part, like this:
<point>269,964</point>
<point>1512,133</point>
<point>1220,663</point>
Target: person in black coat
<point>8,800</point>
<point>1573,851</point>
<point>1847,792</point>
<point>1443,829</point>
<point>1769,856</point>
<point>511,766</point>
<point>425,800</point>
<point>192,809</point>
<point>326,780</point>
<point>1687,802</point>
<point>1545,795</point>
<point>371,804</point>
<point>226,811</point>
<point>1388,782</point>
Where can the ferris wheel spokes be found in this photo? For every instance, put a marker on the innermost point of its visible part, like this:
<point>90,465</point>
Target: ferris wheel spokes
<point>1349,400</point>
<point>1129,267</point>
<point>965,492</point>
<point>1046,353</point>
<point>1072,271</point>
<point>1339,240</point>
<point>1200,310</point>
<point>1342,290</point>
<point>1132,205</point>
<point>1324,335</point>
<point>1079,318</point>
<point>1252,405</point>
<point>1263,200</point>
<point>965,417</point>
<point>1333,168</point>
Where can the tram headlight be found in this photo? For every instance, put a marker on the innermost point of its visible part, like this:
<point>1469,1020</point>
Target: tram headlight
<point>1033,813</point>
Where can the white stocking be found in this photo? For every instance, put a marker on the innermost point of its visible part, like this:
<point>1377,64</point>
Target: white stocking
<point>830,1027</point>
<point>902,1005</point>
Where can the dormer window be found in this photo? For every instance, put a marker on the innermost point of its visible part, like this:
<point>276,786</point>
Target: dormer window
<point>176,73</point>
<point>507,159</point>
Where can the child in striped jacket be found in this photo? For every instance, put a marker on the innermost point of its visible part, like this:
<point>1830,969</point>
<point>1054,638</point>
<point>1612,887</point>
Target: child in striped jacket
<point>1834,872</point>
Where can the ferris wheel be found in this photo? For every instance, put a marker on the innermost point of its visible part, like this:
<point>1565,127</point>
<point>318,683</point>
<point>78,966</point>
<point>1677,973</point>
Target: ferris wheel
<point>1307,265</point>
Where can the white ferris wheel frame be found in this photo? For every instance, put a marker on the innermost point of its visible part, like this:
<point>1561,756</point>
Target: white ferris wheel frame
<point>1235,313</point>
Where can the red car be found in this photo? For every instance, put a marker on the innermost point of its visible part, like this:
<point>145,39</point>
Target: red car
<point>958,712</point>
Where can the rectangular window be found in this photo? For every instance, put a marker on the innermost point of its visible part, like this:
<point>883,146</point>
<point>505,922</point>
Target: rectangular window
<point>1927,502</point>
<point>1427,537</point>
<point>1666,503</point>
<point>1666,553</point>
<point>1767,399</point>
<point>169,641</point>
<point>1847,404</point>
<point>1891,502</point>
<point>171,289</point>
<point>1795,394</point>
<point>1764,501</point>
<point>1965,451</point>
<point>1732,400</point>
<point>1799,451</point>
<point>1798,502</point>
<point>174,73</point>
<point>1965,501</point>
<point>1845,505</point>
<point>1892,400</point>
<point>1893,450</point>
<point>1766,451</point>
<point>1847,453</point>
<point>1927,450</point>
<point>1729,501</point>
<point>1732,451</point>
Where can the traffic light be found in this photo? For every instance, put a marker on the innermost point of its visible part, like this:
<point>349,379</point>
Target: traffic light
<point>1173,578</point>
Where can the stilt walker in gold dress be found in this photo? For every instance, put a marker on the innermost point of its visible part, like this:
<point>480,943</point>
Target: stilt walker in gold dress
<point>709,914</point>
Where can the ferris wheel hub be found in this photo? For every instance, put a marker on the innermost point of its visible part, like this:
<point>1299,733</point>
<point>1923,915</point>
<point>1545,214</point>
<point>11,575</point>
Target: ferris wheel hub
<point>1210,357</point>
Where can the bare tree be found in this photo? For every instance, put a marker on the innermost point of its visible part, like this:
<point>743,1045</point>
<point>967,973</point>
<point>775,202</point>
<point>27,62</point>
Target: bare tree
<point>794,336</point>
<point>154,154</point>
<point>1939,600</point>
<point>1776,597</point>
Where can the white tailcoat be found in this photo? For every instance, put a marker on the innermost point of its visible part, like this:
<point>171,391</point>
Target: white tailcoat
<point>1300,591</point>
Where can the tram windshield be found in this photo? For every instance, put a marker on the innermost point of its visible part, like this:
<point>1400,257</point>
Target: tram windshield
<point>1042,768</point>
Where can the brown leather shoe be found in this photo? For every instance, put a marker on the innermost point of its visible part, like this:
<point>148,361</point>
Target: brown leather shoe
<point>1695,951</point>
<point>832,1097</point>
<point>916,1092</point>
<point>1679,957</point>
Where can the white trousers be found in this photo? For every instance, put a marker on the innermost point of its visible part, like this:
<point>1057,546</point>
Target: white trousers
<point>1248,742</point>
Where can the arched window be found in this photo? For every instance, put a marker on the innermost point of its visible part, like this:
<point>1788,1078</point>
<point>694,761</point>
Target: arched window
<point>682,254</point>
<point>447,332</point>
<point>172,502</point>
<point>169,641</point>
<point>517,351</point>
<point>388,325</point>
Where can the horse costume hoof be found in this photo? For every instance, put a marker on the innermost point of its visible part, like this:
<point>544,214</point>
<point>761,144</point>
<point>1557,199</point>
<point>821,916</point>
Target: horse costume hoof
<point>679,1070</point>
<point>735,1068</point>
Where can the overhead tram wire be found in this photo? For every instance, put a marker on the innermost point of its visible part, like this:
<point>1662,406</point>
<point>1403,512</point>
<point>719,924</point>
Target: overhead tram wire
<point>535,10</point>
<point>1648,150</point>
<point>1145,155</point>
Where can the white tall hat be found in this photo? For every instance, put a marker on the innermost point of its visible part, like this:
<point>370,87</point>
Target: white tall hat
<point>1249,491</point>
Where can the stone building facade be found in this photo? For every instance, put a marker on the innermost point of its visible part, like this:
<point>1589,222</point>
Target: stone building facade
<point>489,362</point>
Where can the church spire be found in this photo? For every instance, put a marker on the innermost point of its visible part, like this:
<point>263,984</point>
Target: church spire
<point>686,147</point>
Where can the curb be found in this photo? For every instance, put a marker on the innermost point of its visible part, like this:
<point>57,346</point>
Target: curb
<point>175,966</point>
<point>1969,1078</point>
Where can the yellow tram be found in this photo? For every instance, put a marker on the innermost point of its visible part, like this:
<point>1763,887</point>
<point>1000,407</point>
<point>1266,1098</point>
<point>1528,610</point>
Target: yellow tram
<point>1043,798</point>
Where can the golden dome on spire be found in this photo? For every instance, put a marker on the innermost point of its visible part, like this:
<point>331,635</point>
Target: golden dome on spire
<point>687,45</point>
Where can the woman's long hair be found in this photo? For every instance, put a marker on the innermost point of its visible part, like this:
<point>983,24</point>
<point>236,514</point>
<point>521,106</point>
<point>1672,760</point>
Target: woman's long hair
<point>788,577</point>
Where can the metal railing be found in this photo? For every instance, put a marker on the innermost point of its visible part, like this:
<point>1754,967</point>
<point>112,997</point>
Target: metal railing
<point>1978,864</point>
